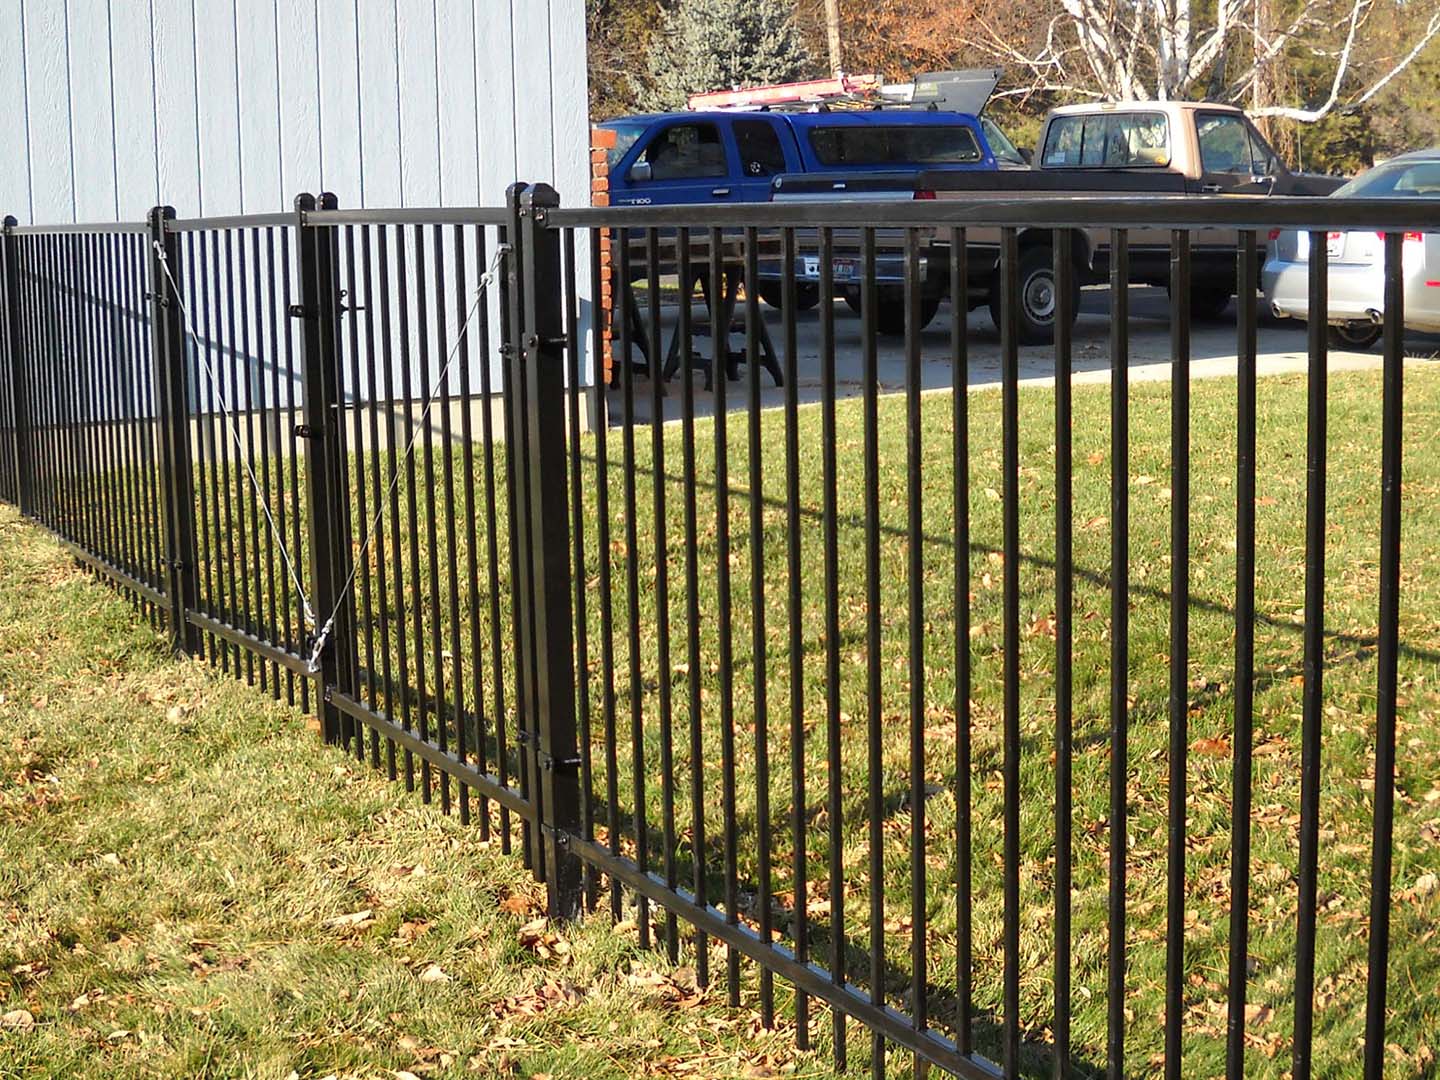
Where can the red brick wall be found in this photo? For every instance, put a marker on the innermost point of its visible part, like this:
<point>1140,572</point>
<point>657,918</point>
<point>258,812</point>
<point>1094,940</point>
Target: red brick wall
<point>602,140</point>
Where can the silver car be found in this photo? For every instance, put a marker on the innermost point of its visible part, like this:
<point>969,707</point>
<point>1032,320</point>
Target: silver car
<point>1357,260</point>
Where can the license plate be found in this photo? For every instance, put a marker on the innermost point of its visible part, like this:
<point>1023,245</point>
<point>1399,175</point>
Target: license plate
<point>1335,244</point>
<point>845,269</point>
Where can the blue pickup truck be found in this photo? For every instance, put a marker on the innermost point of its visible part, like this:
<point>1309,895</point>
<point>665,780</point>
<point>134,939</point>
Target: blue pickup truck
<point>720,157</point>
<point>730,157</point>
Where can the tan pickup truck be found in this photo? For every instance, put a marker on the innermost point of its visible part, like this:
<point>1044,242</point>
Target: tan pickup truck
<point>1128,149</point>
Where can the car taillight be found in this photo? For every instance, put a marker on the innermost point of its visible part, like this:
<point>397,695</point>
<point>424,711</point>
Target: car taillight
<point>924,193</point>
<point>1410,237</point>
<point>1274,235</point>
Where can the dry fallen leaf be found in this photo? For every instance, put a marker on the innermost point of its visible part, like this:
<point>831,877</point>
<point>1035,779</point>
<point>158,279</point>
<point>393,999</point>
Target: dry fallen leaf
<point>1219,747</point>
<point>18,1020</point>
<point>1258,1015</point>
<point>434,974</point>
<point>1425,884</point>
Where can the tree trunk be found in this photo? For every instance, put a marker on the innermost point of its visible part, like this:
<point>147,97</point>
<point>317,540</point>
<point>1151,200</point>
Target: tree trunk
<point>832,34</point>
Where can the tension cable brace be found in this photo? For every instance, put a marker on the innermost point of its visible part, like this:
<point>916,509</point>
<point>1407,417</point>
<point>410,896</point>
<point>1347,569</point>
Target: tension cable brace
<point>322,636</point>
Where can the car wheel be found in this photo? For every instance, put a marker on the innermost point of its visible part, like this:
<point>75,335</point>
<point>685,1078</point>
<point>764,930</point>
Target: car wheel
<point>1354,335</point>
<point>807,295</point>
<point>1038,297</point>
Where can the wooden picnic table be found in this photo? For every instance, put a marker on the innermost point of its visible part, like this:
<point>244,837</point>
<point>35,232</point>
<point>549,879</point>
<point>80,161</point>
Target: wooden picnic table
<point>731,259</point>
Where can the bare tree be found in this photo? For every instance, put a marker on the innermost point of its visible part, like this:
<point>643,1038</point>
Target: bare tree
<point>1119,49</point>
<point>832,35</point>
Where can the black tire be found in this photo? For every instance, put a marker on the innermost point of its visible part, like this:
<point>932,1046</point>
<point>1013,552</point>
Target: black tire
<point>890,312</point>
<point>1037,297</point>
<point>852,300</point>
<point>807,295</point>
<point>1354,335</point>
<point>1209,303</point>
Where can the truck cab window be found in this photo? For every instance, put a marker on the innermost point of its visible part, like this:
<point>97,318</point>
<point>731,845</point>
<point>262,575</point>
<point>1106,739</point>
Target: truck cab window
<point>1225,144</point>
<point>760,151</point>
<point>686,152</point>
<point>1111,140</point>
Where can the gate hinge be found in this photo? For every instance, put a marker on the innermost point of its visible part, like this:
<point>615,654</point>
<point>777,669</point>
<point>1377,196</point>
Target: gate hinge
<point>309,431</point>
<point>298,311</point>
<point>559,837</point>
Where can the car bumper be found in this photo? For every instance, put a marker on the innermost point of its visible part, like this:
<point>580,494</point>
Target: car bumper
<point>1356,294</point>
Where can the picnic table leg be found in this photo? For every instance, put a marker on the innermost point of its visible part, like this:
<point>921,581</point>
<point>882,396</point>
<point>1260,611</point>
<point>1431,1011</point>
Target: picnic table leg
<point>727,304</point>
<point>638,335</point>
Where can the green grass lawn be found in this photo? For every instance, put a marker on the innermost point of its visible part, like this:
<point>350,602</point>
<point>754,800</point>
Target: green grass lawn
<point>1352,565</point>
<point>191,885</point>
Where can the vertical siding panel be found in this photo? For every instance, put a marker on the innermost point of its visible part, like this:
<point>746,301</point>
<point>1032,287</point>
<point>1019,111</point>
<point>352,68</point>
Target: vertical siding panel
<point>570,132</point>
<point>300,145</point>
<point>339,94</point>
<point>419,118</point>
<point>218,97</point>
<point>570,103</point>
<point>175,120</point>
<point>15,176</point>
<point>534,107</point>
<point>455,35</point>
<point>49,90</point>
<point>136,171</point>
<point>379,103</point>
<point>90,111</point>
<point>260,189</point>
<point>495,99</point>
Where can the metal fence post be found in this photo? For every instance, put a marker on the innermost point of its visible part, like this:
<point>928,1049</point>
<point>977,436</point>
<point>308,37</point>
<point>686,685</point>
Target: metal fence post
<point>167,357</point>
<point>19,448</point>
<point>324,434</point>
<point>543,458</point>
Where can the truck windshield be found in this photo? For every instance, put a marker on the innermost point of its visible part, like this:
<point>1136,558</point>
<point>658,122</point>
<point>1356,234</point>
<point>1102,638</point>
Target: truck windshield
<point>1000,144</point>
<point>880,145</point>
<point>625,135</point>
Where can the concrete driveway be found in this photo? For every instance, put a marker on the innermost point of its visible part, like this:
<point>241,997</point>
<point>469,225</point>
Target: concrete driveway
<point>1212,350</point>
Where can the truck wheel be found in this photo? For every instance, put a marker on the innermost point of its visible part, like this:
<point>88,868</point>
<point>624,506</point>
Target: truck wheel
<point>1037,297</point>
<point>1209,303</point>
<point>807,295</point>
<point>890,312</point>
<point>1354,335</point>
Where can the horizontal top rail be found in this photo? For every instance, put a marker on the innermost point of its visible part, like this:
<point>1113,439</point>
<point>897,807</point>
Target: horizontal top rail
<point>1156,211</point>
<point>108,228</point>
<point>438,215</point>
<point>234,221</point>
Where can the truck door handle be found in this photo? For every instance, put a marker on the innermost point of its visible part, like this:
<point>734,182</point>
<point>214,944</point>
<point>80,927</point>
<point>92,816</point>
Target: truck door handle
<point>1211,189</point>
<point>720,192</point>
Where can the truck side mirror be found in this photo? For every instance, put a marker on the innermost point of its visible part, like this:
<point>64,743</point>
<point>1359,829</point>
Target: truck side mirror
<point>640,172</point>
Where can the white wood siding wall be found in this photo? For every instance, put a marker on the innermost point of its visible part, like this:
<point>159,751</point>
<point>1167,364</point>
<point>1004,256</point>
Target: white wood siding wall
<point>219,107</point>
<point>234,106</point>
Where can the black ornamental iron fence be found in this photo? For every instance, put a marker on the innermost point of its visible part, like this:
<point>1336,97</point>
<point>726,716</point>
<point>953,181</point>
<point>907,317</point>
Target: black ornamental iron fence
<point>724,660</point>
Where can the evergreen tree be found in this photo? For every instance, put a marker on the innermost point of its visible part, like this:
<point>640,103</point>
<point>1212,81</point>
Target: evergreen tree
<point>715,44</point>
